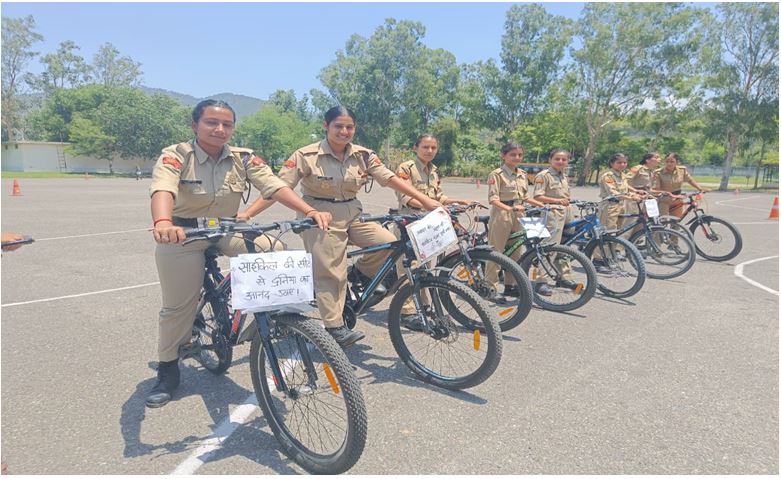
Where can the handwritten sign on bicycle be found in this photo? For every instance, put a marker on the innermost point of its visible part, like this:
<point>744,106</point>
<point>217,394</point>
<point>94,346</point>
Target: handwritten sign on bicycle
<point>535,227</point>
<point>279,280</point>
<point>652,207</point>
<point>432,234</point>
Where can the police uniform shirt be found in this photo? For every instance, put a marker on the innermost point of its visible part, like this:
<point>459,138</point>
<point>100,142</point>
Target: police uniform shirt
<point>551,184</point>
<point>640,177</point>
<point>671,181</point>
<point>612,184</point>
<point>504,184</point>
<point>423,178</point>
<point>323,175</point>
<point>205,186</point>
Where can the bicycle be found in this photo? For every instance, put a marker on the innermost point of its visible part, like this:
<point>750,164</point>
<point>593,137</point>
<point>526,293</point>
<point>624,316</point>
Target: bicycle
<point>302,379</point>
<point>449,351</point>
<point>622,268</point>
<point>540,258</point>
<point>470,262</point>
<point>667,253</point>
<point>715,239</point>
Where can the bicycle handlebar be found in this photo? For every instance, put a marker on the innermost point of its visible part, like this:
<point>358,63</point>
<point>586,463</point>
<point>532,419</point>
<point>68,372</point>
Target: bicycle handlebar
<point>226,226</point>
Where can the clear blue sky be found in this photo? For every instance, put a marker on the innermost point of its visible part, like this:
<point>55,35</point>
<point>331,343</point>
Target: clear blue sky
<point>255,48</point>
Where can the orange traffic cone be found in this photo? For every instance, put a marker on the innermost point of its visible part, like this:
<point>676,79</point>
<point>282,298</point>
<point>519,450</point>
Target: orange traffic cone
<point>477,183</point>
<point>774,210</point>
<point>17,191</point>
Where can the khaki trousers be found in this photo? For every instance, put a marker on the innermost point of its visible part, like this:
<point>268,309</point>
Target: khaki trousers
<point>608,216</point>
<point>672,207</point>
<point>181,271</point>
<point>630,207</point>
<point>329,255</point>
<point>557,218</point>
<point>501,225</point>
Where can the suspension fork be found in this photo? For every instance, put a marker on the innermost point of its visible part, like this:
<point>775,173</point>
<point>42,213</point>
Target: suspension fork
<point>262,321</point>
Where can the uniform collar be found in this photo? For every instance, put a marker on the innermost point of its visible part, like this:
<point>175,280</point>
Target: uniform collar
<point>325,149</point>
<point>202,156</point>
<point>510,172</point>
<point>554,172</point>
<point>431,168</point>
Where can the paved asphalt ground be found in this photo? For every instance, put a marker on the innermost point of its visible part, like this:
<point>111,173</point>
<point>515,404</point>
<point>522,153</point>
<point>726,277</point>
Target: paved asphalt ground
<point>680,379</point>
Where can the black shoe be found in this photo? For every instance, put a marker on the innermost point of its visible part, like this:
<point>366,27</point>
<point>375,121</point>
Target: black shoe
<point>412,322</point>
<point>567,283</point>
<point>167,382</point>
<point>497,298</point>
<point>511,291</point>
<point>602,269</point>
<point>363,281</point>
<point>344,337</point>
<point>543,289</point>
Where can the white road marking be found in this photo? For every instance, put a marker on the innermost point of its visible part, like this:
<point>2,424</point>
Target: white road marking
<point>91,234</point>
<point>741,207</point>
<point>227,427</point>
<point>8,305</point>
<point>759,223</point>
<point>739,273</point>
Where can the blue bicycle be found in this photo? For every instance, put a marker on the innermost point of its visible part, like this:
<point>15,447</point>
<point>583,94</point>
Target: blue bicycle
<point>619,264</point>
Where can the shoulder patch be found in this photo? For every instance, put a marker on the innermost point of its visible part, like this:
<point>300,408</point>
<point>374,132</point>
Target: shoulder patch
<point>491,181</point>
<point>403,175</point>
<point>290,164</point>
<point>609,179</point>
<point>539,180</point>
<point>257,160</point>
<point>167,160</point>
<point>376,162</point>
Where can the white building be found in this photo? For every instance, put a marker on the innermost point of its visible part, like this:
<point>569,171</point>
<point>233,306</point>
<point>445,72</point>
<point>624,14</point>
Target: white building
<point>51,156</point>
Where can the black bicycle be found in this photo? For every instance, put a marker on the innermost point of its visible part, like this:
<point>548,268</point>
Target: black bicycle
<point>447,350</point>
<point>619,264</point>
<point>715,239</point>
<point>303,381</point>
<point>573,279</point>
<point>667,253</point>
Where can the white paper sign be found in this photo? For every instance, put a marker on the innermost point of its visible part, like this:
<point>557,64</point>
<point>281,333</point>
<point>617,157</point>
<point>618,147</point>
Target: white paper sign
<point>432,234</point>
<point>269,281</point>
<point>535,228</point>
<point>652,207</point>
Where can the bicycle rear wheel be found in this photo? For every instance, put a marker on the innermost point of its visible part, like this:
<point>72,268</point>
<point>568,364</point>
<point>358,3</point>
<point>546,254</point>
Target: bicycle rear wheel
<point>448,352</point>
<point>511,310</point>
<point>320,420</point>
<point>214,351</point>
<point>623,267</point>
<point>667,253</point>
<point>716,239</point>
<point>569,291</point>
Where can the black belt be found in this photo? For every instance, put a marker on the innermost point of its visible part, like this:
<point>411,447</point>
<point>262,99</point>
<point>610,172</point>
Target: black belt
<point>185,222</point>
<point>332,200</point>
<point>508,202</point>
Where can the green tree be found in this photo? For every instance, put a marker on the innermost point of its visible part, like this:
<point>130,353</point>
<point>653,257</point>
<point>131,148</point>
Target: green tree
<point>62,69</point>
<point>275,134</point>
<point>286,101</point>
<point>18,39</point>
<point>112,70</point>
<point>627,51</point>
<point>89,139</point>
<point>744,80</point>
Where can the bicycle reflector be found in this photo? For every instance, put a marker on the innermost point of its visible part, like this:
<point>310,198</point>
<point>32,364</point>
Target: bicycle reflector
<point>331,379</point>
<point>476,339</point>
<point>578,288</point>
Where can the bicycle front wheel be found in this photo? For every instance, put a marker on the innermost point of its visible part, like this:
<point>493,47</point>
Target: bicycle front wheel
<point>214,351</point>
<point>569,275</point>
<point>447,351</point>
<point>320,417</point>
<point>511,309</point>
<point>716,239</point>
<point>667,253</point>
<point>621,270</point>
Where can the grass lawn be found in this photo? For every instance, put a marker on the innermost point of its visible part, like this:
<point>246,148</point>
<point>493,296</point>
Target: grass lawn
<point>57,174</point>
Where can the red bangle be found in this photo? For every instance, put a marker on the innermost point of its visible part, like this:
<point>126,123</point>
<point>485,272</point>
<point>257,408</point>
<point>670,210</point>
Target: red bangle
<point>162,219</point>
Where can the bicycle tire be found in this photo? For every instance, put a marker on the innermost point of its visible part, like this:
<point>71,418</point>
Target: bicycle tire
<point>427,354</point>
<point>216,353</point>
<point>619,267</point>
<point>510,314</point>
<point>673,222</point>
<point>661,255</point>
<point>336,397</point>
<point>584,290</point>
<point>703,237</point>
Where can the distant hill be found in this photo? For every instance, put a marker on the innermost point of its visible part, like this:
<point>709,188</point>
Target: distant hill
<point>242,104</point>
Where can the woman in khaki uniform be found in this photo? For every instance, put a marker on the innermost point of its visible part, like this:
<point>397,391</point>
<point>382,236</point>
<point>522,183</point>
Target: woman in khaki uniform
<point>612,183</point>
<point>670,179</point>
<point>641,179</point>
<point>201,178</point>
<point>422,175</point>
<point>331,173</point>
<point>552,188</point>
<point>507,191</point>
